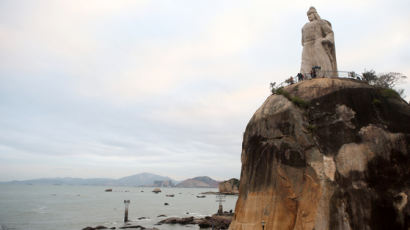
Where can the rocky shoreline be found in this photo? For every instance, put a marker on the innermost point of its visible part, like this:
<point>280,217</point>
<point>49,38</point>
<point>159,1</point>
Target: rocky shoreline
<point>123,227</point>
<point>217,221</point>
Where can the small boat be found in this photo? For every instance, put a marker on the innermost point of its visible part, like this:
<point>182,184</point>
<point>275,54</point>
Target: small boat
<point>202,196</point>
<point>170,195</point>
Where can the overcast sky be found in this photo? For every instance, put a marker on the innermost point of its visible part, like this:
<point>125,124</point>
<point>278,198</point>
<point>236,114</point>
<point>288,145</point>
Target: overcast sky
<point>113,88</point>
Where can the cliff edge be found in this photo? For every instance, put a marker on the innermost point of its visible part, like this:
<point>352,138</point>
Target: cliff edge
<point>339,160</point>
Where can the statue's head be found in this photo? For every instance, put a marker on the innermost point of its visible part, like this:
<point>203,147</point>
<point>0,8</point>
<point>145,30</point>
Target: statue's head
<point>312,14</point>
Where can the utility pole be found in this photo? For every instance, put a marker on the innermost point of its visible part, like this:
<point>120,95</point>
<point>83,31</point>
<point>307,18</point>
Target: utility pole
<point>126,203</point>
<point>220,198</point>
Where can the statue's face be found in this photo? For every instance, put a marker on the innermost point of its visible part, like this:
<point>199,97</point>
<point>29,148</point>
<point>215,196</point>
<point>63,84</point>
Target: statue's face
<point>311,16</point>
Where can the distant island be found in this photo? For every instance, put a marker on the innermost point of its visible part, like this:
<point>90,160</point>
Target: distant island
<point>141,180</point>
<point>199,182</point>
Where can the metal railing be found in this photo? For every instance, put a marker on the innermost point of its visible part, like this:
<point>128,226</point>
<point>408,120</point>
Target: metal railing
<point>333,74</point>
<point>320,74</point>
<point>324,74</point>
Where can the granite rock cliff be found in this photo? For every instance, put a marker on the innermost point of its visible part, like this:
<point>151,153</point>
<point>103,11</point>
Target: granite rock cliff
<point>342,162</point>
<point>230,186</point>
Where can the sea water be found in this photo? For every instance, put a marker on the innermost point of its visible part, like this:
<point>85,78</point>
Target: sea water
<point>65,207</point>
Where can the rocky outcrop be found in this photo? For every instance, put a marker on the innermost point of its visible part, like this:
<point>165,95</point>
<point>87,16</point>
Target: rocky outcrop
<point>178,220</point>
<point>229,186</point>
<point>198,182</point>
<point>137,227</point>
<point>96,228</point>
<point>342,162</point>
<point>156,190</point>
<point>215,221</point>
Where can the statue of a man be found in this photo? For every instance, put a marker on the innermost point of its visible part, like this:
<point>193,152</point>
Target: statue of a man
<point>318,46</point>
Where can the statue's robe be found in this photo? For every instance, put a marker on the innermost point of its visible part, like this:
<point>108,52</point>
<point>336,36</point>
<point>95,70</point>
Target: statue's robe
<point>316,53</point>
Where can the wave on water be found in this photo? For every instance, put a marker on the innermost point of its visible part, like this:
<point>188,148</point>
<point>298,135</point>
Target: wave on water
<point>40,210</point>
<point>3,227</point>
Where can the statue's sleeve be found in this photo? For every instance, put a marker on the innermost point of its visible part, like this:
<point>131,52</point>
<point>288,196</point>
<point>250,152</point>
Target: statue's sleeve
<point>327,31</point>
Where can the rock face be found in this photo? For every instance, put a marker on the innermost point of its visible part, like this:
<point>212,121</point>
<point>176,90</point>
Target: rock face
<point>341,163</point>
<point>230,186</point>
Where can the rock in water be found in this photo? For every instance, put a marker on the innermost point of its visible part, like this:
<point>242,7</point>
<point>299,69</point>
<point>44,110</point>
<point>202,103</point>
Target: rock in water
<point>340,160</point>
<point>156,190</point>
<point>230,186</point>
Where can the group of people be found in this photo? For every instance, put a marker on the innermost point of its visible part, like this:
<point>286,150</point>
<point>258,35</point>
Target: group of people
<point>300,76</point>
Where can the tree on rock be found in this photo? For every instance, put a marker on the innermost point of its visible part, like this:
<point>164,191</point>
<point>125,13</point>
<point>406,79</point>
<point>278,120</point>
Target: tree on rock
<point>386,80</point>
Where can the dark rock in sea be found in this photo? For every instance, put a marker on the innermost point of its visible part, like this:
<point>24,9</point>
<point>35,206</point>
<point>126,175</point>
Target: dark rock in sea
<point>170,195</point>
<point>326,153</point>
<point>95,228</point>
<point>166,204</point>
<point>156,190</point>
<point>176,220</point>
<point>108,190</point>
<point>217,221</point>
<point>137,227</point>
<point>143,218</point>
<point>201,196</point>
<point>162,215</point>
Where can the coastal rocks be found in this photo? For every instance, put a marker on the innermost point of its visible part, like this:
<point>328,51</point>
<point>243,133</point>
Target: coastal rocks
<point>229,187</point>
<point>128,226</point>
<point>137,227</point>
<point>340,163</point>
<point>97,227</point>
<point>217,221</point>
<point>177,220</point>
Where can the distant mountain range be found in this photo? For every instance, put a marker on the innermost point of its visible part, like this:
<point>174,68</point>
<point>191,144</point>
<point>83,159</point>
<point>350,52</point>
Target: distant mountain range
<point>142,179</point>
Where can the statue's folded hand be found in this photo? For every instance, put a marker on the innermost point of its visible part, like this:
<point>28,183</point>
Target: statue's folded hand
<point>326,41</point>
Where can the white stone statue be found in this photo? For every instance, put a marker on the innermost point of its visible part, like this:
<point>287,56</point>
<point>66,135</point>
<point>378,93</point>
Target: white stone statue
<point>318,46</point>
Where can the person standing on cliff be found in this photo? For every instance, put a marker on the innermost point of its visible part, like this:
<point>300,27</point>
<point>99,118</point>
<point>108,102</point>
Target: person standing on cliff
<point>318,46</point>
